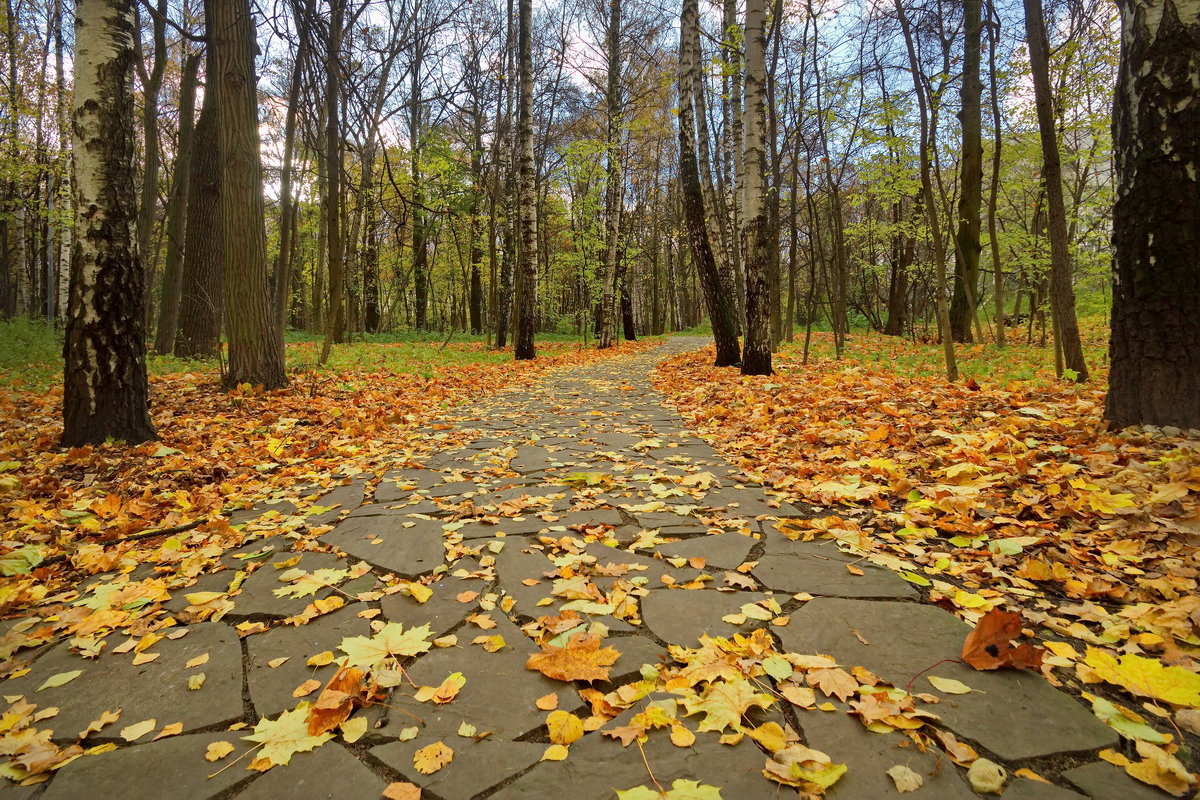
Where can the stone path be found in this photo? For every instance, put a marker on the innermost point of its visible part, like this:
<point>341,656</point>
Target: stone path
<point>586,475</point>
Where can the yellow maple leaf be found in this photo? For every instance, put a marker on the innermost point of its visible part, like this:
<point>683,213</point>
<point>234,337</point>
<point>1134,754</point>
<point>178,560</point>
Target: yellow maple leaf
<point>564,727</point>
<point>581,660</point>
<point>431,758</point>
<point>1146,676</point>
<point>283,737</point>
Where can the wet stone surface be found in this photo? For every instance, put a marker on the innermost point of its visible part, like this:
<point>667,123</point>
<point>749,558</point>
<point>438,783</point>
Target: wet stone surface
<point>516,525</point>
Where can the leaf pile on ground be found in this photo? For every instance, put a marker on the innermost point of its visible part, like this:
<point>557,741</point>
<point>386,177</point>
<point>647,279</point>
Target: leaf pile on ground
<point>67,514</point>
<point>985,494</point>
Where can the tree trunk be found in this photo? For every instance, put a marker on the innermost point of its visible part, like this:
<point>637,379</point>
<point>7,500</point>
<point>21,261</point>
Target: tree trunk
<point>717,295</point>
<point>756,352</point>
<point>333,158</point>
<point>523,347</point>
<point>151,85</point>
<point>168,309</point>
<point>1155,346</point>
<point>1062,294</point>
<point>281,282</point>
<point>966,262</point>
<point>614,180</point>
<point>994,189</point>
<point>255,342</point>
<point>105,390</point>
<point>202,294</point>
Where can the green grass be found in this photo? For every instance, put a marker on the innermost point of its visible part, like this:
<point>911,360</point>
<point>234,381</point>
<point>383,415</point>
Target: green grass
<point>31,354</point>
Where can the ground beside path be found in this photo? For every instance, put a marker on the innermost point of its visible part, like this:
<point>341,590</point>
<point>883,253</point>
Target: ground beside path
<point>583,521</point>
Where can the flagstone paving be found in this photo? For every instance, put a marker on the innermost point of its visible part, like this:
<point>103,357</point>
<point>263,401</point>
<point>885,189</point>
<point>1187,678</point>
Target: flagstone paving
<point>584,475</point>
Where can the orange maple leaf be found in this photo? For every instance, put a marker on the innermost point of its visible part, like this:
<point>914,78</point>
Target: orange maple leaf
<point>583,659</point>
<point>989,646</point>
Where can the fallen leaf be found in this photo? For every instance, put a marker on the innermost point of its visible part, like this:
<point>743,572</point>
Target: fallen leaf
<point>949,685</point>
<point>905,779</point>
<point>402,791</point>
<point>555,752</point>
<point>138,729</point>
<point>989,646</point>
<point>174,729</point>
<point>565,728</point>
<point>217,750</point>
<point>306,688</point>
<point>431,758</point>
<point>582,659</point>
<point>61,679</point>
<point>547,702</point>
<point>284,736</point>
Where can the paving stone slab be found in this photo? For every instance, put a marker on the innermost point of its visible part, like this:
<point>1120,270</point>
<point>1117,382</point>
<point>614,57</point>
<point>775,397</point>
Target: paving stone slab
<point>329,772</point>
<point>598,766</point>
<point>681,616</point>
<point>1024,789</point>
<point>819,568</point>
<point>636,650</point>
<point>499,693</point>
<point>477,766</point>
<point>1016,714</point>
<point>218,581</point>
<point>870,755</point>
<point>726,550</point>
<point>386,543</point>
<point>257,595</point>
<point>339,501</point>
<point>247,515</point>
<point>440,612</point>
<point>271,688</point>
<point>157,689</point>
<point>172,767</point>
<point>1103,781</point>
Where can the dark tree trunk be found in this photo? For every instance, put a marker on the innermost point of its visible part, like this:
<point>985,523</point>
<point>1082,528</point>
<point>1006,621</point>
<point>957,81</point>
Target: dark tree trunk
<point>1155,346</point>
<point>718,297</point>
<point>255,341</point>
<point>202,293</point>
<point>1062,293</point>
<point>335,322</point>
<point>966,262</point>
<point>105,391</point>
<point>523,346</point>
<point>168,309</point>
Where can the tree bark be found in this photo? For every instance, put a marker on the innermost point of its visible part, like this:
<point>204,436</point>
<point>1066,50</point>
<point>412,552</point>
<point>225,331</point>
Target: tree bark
<point>614,179</point>
<point>255,342</point>
<point>523,347</point>
<point>756,351</point>
<point>105,390</point>
<point>202,294</point>
<point>718,296</point>
<point>1062,293</point>
<point>1155,345</point>
<point>333,160</point>
<point>168,308</point>
<point>970,198</point>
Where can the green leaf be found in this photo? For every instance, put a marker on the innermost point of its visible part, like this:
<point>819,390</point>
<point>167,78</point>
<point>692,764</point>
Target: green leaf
<point>62,678</point>
<point>777,667</point>
<point>21,561</point>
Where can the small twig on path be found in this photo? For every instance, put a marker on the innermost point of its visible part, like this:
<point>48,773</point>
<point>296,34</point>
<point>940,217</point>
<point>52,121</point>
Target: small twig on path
<point>649,771</point>
<point>908,685</point>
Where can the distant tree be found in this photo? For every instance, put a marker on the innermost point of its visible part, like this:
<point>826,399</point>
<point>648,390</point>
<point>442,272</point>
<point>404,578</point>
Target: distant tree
<point>1155,346</point>
<point>963,309</point>
<point>105,392</point>
<point>614,200</point>
<point>255,341</point>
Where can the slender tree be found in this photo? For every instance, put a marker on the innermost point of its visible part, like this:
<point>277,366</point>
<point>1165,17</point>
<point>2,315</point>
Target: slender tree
<point>1062,293</point>
<point>1155,346</point>
<point>614,200</point>
<point>718,295</point>
<point>255,341</point>
<point>523,347</point>
<point>105,390</point>
<point>756,352</point>
<point>333,160</point>
<point>970,196</point>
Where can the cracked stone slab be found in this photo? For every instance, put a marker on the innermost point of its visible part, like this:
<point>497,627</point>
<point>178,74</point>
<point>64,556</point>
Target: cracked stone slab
<point>1016,714</point>
<point>339,500</point>
<point>440,612</point>
<point>1024,789</point>
<point>635,651</point>
<point>385,542</point>
<point>243,516</point>
<point>477,766</point>
<point>257,594</point>
<point>499,693</point>
<point>870,755</point>
<point>721,550</point>
<point>329,772</point>
<point>155,689</point>
<point>1102,781</point>
<point>598,766</point>
<point>271,688</point>
<point>819,568</point>
<point>145,771</point>
<point>682,616</point>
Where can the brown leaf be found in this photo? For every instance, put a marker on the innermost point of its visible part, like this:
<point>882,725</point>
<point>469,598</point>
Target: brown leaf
<point>336,701</point>
<point>989,645</point>
<point>581,660</point>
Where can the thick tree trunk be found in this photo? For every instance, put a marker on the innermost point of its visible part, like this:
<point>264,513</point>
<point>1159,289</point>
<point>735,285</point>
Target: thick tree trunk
<point>1062,293</point>
<point>966,262</point>
<point>168,308</point>
<point>255,341</point>
<point>202,294</point>
<point>756,352</point>
<point>523,347</point>
<point>718,296</point>
<point>1155,346</point>
<point>105,390</point>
